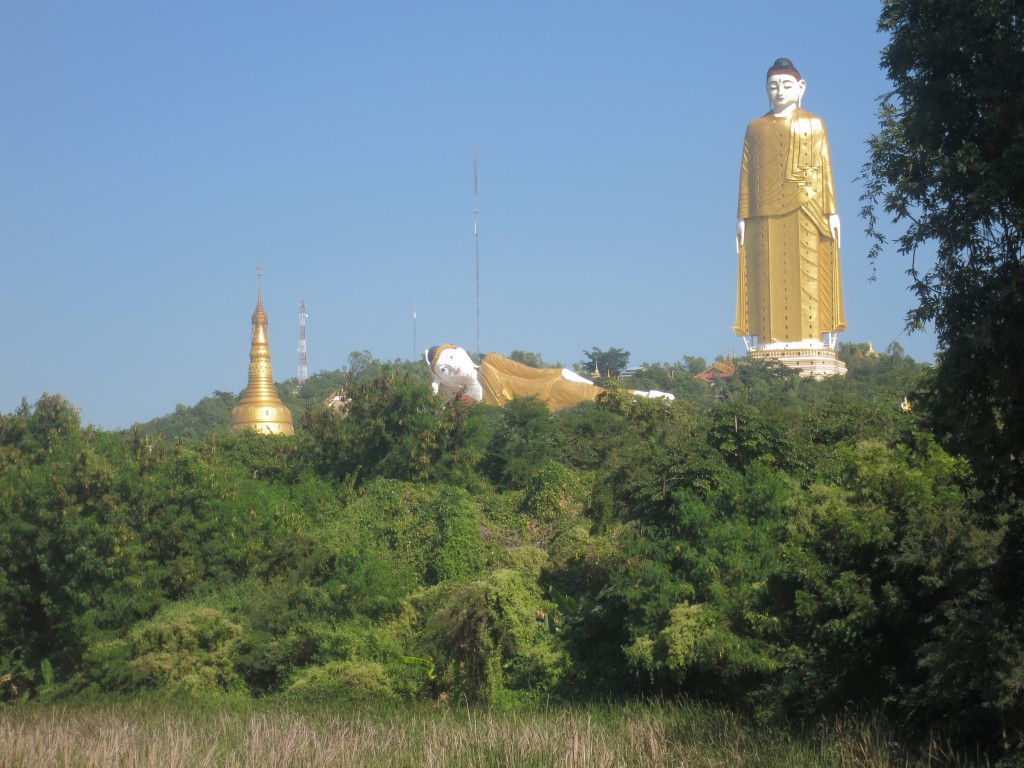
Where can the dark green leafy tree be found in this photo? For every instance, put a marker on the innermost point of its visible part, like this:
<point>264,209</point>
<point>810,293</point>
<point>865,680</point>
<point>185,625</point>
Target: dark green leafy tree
<point>654,455</point>
<point>869,561</point>
<point>946,166</point>
<point>434,530</point>
<point>262,457</point>
<point>610,362</point>
<point>395,427</point>
<point>744,434</point>
<point>694,365</point>
<point>693,584</point>
<point>646,452</point>
<point>586,433</point>
<point>522,441</point>
<point>490,638</point>
<point>72,561</point>
<point>326,581</point>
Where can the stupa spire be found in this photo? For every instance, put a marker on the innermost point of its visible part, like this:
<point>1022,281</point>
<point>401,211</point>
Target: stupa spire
<point>260,408</point>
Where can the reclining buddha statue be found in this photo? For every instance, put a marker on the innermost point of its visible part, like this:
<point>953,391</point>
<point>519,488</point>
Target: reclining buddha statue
<point>498,379</point>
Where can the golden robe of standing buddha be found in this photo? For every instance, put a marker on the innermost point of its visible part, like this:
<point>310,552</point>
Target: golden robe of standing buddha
<point>787,232</point>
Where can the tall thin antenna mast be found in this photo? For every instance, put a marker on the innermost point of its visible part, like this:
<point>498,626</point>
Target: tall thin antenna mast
<point>476,237</point>
<point>302,341</point>
<point>415,353</point>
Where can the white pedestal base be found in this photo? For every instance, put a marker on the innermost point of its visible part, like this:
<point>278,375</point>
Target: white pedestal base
<point>808,357</point>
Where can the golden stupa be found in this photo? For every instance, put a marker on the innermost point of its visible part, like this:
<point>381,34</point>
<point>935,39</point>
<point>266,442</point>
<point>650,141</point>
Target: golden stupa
<point>260,408</point>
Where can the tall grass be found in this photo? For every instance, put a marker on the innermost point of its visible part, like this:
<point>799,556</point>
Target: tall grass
<point>169,735</point>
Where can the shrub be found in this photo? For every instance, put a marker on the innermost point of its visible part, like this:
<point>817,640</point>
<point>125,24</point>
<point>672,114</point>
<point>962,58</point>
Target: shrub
<point>186,647</point>
<point>491,636</point>
<point>341,681</point>
<point>432,529</point>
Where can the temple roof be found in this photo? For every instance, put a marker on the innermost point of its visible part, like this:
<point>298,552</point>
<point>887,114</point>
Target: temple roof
<point>720,370</point>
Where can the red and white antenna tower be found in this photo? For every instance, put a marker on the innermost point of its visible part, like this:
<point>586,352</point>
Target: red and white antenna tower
<point>302,341</point>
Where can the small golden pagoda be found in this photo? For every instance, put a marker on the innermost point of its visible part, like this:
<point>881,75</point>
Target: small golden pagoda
<point>260,408</point>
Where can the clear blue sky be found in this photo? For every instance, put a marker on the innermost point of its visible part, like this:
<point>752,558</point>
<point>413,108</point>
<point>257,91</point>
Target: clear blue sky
<point>151,153</point>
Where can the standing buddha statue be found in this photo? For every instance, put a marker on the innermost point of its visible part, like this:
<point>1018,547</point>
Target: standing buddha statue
<point>787,228</point>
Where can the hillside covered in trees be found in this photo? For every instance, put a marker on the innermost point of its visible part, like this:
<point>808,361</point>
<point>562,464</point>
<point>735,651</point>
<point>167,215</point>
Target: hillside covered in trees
<point>788,547</point>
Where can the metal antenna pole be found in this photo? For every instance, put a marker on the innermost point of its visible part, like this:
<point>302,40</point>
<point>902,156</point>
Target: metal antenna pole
<point>302,342</point>
<point>476,237</point>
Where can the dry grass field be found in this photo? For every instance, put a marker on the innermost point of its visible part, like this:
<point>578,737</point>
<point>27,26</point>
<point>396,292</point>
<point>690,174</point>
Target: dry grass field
<point>180,734</point>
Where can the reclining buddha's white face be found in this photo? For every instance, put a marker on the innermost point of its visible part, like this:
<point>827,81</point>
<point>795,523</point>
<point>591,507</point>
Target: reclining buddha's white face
<point>454,367</point>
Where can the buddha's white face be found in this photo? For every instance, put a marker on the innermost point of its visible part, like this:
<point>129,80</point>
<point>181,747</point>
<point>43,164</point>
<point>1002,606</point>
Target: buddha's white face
<point>784,92</point>
<point>454,366</point>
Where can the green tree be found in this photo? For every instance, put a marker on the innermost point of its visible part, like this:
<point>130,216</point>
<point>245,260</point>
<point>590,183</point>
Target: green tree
<point>432,529</point>
<point>395,427</point>
<point>868,562</point>
<point>694,365</point>
<point>73,563</point>
<point>946,166</point>
<point>522,441</point>
<point>326,583</point>
<point>693,580</point>
<point>610,362</point>
<point>491,637</point>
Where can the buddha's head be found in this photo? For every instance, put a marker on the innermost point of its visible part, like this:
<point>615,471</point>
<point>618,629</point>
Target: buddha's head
<point>451,365</point>
<point>784,86</point>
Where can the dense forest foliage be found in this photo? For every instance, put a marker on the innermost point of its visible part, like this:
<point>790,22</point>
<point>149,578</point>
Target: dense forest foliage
<point>786,546</point>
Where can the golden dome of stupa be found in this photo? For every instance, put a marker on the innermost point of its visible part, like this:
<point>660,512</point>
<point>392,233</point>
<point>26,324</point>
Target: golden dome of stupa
<point>260,408</point>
